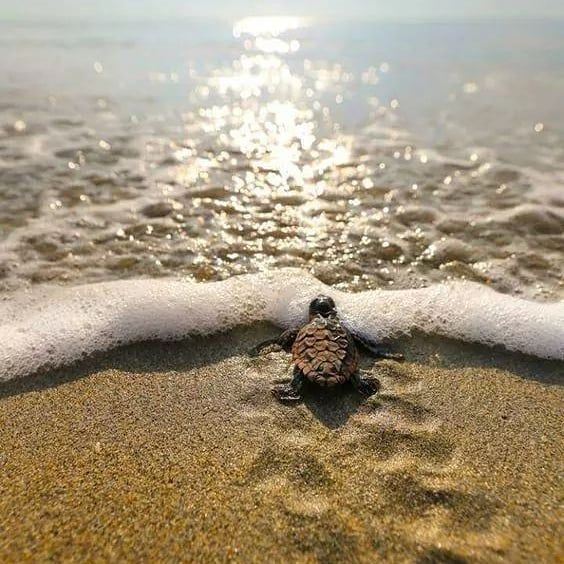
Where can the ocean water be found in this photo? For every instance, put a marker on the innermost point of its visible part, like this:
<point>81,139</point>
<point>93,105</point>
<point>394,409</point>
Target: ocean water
<point>369,155</point>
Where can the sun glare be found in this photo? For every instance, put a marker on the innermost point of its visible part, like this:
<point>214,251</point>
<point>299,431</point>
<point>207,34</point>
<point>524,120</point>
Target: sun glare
<point>272,26</point>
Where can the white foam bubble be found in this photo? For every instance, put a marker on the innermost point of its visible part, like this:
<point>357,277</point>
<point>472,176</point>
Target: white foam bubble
<point>59,326</point>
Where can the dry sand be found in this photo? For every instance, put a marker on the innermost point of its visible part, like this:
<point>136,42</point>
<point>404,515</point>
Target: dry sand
<point>168,452</point>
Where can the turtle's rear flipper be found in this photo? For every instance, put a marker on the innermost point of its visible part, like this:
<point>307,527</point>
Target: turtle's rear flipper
<point>292,392</point>
<point>365,386</point>
<point>286,394</point>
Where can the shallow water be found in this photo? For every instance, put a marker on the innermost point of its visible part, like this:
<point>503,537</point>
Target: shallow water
<point>372,155</point>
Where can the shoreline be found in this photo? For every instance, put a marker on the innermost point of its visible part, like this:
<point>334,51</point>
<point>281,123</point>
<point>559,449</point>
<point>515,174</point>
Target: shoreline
<point>66,324</point>
<point>177,450</point>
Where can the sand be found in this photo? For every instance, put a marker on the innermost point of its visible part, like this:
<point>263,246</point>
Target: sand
<point>178,452</point>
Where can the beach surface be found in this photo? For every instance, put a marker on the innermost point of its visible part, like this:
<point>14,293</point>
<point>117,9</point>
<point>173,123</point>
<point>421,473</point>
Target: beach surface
<point>178,452</point>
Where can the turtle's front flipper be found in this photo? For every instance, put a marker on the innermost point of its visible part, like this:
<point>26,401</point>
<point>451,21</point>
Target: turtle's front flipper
<point>377,350</point>
<point>365,386</point>
<point>284,341</point>
<point>257,349</point>
<point>289,393</point>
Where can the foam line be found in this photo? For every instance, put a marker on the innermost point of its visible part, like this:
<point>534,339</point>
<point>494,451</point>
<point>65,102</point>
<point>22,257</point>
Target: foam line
<point>59,326</point>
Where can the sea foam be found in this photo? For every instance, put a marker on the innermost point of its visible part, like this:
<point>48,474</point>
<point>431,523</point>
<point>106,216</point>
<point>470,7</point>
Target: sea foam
<point>51,328</point>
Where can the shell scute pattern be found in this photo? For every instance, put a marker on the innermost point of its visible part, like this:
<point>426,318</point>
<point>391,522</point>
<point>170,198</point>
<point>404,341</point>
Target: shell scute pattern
<point>325,353</point>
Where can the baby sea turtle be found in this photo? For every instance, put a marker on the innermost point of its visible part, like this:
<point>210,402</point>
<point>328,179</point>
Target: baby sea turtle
<point>324,352</point>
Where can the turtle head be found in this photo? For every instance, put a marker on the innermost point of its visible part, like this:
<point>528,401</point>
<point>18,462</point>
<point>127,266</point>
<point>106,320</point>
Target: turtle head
<point>322,305</point>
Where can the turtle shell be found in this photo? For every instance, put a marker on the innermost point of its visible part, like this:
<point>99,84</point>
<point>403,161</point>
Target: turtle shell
<point>325,352</point>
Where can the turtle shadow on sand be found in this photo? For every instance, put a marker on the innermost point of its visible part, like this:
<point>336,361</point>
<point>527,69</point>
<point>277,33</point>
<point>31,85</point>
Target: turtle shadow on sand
<point>333,407</point>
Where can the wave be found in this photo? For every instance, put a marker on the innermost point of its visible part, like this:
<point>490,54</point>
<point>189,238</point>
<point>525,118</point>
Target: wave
<point>59,326</point>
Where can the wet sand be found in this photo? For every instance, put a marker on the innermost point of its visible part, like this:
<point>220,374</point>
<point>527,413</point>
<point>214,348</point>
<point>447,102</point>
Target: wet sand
<point>177,451</point>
